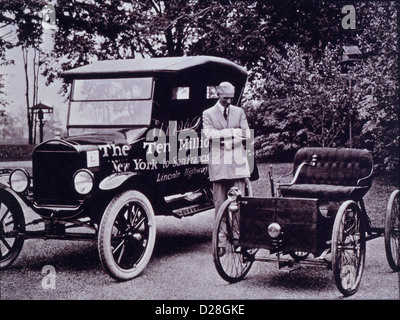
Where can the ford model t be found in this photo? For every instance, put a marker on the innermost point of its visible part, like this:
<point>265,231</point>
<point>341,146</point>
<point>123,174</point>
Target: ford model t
<point>133,150</point>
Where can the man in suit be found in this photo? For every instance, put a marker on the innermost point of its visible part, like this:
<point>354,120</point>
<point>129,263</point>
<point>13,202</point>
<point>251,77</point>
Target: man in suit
<point>226,127</point>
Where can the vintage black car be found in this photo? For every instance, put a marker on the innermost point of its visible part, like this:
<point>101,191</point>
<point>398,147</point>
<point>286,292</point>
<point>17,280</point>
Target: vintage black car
<point>134,149</point>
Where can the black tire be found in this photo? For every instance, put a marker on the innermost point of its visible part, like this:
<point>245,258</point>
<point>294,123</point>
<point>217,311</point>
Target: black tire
<point>348,248</point>
<point>12,222</point>
<point>127,235</point>
<point>392,231</point>
<point>231,261</point>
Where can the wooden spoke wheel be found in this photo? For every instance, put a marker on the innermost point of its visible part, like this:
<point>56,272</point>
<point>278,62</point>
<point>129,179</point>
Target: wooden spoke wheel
<point>12,223</point>
<point>127,235</point>
<point>348,248</point>
<point>392,231</point>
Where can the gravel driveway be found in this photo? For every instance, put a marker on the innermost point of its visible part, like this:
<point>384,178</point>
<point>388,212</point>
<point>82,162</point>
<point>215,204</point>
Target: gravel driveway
<point>181,269</point>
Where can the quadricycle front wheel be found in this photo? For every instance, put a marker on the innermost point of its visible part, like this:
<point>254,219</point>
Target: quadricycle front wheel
<point>348,248</point>
<point>232,261</point>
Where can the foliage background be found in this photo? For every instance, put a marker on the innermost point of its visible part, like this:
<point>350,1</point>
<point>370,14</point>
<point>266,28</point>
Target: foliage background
<point>297,94</point>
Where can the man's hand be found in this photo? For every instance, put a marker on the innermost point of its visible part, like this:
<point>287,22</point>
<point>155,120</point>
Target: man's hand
<point>238,135</point>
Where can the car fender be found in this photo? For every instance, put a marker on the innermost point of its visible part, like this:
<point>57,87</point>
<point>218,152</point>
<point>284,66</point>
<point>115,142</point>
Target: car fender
<point>8,192</point>
<point>3,185</point>
<point>115,180</point>
<point>4,178</point>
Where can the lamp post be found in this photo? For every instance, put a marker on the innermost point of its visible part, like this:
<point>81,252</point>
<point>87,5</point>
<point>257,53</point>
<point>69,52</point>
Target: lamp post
<point>351,54</point>
<point>39,111</point>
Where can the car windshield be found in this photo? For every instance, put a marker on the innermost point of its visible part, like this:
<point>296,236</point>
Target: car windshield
<point>111,102</point>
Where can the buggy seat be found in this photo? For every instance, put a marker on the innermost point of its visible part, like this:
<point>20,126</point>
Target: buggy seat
<point>333,174</point>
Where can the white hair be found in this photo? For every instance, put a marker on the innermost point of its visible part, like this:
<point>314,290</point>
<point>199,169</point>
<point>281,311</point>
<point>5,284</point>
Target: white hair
<point>225,86</point>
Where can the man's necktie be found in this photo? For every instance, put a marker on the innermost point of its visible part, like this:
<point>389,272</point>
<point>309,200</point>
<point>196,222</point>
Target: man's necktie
<point>225,113</point>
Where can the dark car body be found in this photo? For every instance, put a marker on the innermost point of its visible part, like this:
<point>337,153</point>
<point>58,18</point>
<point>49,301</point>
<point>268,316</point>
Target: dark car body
<point>134,149</point>
<point>174,93</point>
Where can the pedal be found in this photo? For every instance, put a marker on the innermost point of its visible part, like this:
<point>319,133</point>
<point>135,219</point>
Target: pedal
<point>325,256</point>
<point>289,269</point>
<point>287,266</point>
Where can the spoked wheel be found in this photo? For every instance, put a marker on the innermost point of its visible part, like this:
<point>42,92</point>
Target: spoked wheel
<point>127,235</point>
<point>392,231</point>
<point>231,261</point>
<point>348,248</point>
<point>12,222</point>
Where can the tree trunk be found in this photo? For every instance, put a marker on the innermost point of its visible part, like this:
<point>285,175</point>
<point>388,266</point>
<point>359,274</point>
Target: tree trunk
<point>29,114</point>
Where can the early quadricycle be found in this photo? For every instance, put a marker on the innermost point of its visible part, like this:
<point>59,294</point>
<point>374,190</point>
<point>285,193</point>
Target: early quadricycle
<point>134,149</point>
<point>319,219</point>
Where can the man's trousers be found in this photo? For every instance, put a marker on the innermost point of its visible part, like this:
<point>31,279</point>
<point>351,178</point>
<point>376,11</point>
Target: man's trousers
<point>221,188</point>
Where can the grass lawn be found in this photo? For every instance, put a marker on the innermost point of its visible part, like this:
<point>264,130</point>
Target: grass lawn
<point>376,200</point>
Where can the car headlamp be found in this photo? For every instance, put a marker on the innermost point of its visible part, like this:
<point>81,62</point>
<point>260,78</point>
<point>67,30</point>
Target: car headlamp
<point>83,181</point>
<point>233,193</point>
<point>19,180</point>
<point>274,230</point>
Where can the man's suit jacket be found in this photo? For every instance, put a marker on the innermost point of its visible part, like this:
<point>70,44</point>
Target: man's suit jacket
<point>227,158</point>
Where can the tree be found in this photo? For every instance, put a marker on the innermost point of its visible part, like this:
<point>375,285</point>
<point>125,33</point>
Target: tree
<point>4,45</point>
<point>96,30</point>
<point>4,119</point>
<point>292,49</point>
<point>301,103</point>
<point>288,70</point>
<point>11,130</point>
<point>378,95</point>
<point>35,77</point>
<point>25,30</point>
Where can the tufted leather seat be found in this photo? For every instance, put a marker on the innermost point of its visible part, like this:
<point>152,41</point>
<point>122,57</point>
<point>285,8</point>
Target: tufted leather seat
<point>337,174</point>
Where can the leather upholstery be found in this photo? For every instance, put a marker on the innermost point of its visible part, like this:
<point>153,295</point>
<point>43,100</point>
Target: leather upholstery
<point>336,174</point>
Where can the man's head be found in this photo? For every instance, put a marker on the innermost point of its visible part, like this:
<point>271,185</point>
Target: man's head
<point>226,93</point>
